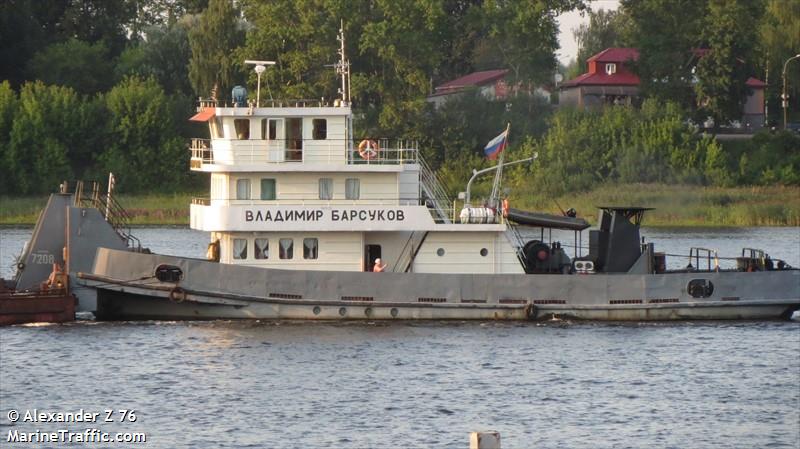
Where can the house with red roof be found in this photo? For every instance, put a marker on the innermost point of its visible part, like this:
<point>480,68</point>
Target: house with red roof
<point>610,81</point>
<point>490,83</point>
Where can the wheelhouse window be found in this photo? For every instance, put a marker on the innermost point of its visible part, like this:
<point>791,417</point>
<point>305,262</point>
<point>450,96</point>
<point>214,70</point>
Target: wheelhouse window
<point>242,126</point>
<point>268,189</point>
<point>262,249</point>
<point>325,188</point>
<point>216,128</point>
<point>240,249</point>
<point>352,188</point>
<point>286,248</point>
<point>319,129</point>
<point>310,248</point>
<point>294,139</point>
<point>242,189</point>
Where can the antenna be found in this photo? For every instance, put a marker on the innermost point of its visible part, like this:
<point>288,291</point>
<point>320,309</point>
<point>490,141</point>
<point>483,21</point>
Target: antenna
<point>260,67</point>
<point>343,68</point>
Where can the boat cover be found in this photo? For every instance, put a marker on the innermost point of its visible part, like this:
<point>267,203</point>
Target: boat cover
<point>546,220</point>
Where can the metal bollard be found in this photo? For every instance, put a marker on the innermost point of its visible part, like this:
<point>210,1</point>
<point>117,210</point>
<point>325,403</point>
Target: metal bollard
<point>489,439</point>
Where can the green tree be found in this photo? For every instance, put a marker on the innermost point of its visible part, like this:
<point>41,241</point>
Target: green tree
<point>666,32</point>
<point>8,109</point>
<point>144,151</point>
<point>20,36</point>
<point>46,126</point>
<point>93,21</point>
<point>218,32</point>
<point>523,35</point>
<point>779,39</point>
<point>730,34</point>
<point>164,54</point>
<point>77,64</point>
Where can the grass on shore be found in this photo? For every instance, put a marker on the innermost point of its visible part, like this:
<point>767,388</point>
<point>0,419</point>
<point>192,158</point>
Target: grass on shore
<point>684,205</point>
<point>675,205</point>
<point>153,209</point>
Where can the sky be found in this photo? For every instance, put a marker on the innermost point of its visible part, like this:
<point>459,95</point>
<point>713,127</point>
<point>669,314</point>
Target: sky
<point>572,20</point>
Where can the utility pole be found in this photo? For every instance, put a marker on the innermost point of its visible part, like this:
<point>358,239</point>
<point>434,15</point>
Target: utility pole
<point>784,95</point>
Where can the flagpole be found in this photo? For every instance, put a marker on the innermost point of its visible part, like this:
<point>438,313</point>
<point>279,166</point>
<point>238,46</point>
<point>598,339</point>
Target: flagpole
<point>494,198</point>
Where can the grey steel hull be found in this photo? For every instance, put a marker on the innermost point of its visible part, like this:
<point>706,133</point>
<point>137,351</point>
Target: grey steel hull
<point>218,291</point>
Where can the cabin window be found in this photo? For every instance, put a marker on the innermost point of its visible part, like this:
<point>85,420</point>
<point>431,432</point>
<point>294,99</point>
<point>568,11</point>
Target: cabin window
<point>319,129</point>
<point>325,188</point>
<point>216,128</point>
<point>262,248</point>
<point>286,248</point>
<point>352,188</point>
<point>267,189</point>
<point>294,139</point>
<point>240,249</point>
<point>242,189</point>
<point>484,252</point>
<point>440,252</point>
<point>611,69</point>
<point>242,126</point>
<point>310,248</point>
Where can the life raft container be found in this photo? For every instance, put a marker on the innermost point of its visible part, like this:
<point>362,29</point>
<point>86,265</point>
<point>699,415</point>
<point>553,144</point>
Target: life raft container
<point>368,149</point>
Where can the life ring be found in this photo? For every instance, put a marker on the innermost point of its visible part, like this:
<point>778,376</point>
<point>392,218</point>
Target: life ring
<point>368,149</point>
<point>177,294</point>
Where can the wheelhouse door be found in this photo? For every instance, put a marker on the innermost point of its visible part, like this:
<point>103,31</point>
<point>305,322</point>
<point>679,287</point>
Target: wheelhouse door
<point>371,252</point>
<point>273,132</point>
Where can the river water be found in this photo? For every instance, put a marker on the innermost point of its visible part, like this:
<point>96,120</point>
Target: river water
<point>414,385</point>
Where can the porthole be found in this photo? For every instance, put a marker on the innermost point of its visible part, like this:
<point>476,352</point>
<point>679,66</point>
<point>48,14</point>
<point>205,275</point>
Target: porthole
<point>342,311</point>
<point>484,252</point>
<point>393,312</point>
<point>700,288</point>
<point>317,310</point>
<point>440,252</point>
<point>368,311</point>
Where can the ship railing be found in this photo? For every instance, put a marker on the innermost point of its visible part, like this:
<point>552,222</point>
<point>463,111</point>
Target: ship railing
<point>279,151</point>
<point>696,254</point>
<point>201,153</point>
<point>116,215</point>
<point>309,202</point>
<point>436,196</point>
<point>400,151</point>
<point>268,103</point>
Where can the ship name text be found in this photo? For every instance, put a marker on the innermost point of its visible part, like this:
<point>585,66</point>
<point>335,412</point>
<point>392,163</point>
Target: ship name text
<point>363,215</point>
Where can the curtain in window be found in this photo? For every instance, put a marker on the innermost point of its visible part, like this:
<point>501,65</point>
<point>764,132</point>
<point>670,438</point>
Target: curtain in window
<point>326,189</point>
<point>352,188</point>
<point>286,248</point>
<point>267,189</point>
<point>240,248</point>
<point>243,189</point>
<point>310,248</point>
<point>262,248</point>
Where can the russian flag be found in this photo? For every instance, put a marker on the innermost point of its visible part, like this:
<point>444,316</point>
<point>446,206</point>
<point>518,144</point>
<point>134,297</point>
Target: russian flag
<point>496,145</point>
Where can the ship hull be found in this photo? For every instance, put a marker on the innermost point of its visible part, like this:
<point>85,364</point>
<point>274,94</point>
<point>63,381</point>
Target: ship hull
<point>209,290</point>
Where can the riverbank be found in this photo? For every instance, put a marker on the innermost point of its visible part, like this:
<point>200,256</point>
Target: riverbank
<point>153,209</point>
<point>684,205</point>
<point>675,205</point>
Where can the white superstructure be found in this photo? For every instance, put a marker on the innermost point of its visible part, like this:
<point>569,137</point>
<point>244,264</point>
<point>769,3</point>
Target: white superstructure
<point>289,189</point>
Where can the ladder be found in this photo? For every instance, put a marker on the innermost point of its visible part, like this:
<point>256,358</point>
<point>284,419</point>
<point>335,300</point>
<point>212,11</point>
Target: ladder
<point>433,191</point>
